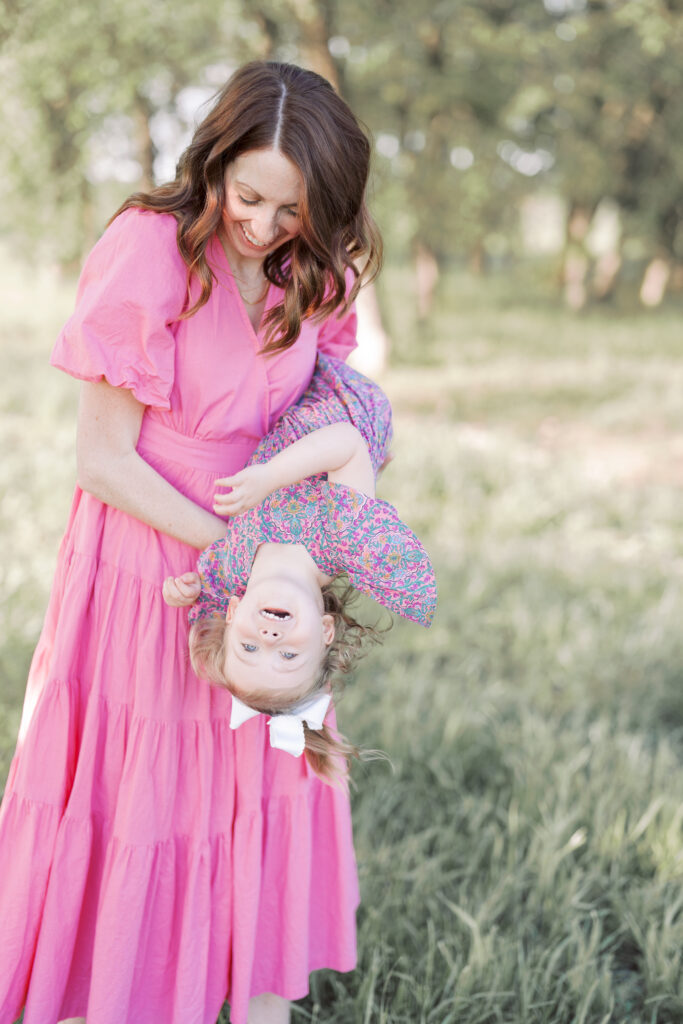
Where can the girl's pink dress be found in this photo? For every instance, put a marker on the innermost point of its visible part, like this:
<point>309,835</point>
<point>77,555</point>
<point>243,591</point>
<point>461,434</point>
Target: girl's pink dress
<point>154,862</point>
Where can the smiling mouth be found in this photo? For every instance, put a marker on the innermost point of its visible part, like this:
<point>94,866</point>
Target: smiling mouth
<point>278,614</point>
<point>252,240</point>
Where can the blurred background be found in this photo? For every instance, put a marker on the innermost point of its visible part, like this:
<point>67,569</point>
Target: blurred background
<point>521,857</point>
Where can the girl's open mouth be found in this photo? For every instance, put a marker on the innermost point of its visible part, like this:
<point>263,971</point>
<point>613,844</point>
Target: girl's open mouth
<point>279,614</point>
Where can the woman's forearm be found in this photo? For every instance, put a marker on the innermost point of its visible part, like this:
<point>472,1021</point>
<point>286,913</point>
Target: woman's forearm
<point>110,468</point>
<point>130,484</point>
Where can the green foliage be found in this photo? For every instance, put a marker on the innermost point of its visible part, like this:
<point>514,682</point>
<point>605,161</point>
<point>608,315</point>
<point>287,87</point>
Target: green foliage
<point>473,105</point>
<point>77,72</point>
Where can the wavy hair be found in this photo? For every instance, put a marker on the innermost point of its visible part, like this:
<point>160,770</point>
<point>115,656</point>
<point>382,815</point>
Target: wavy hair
<point>327,751</point>
<point>264,105</point>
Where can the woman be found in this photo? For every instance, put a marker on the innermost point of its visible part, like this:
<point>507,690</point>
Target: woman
<point>154,862</point>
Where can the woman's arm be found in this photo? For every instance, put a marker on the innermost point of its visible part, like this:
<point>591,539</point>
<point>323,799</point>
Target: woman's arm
<point>338,450</point>
<point>109,467</point>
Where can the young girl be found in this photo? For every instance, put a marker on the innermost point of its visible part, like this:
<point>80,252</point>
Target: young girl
<point>266,624</point>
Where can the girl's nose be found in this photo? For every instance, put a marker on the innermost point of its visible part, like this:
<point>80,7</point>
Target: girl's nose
<point>270,632</point>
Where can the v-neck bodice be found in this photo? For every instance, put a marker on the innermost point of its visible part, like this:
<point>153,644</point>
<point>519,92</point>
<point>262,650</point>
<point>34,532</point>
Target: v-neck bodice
<point>220,264</point>
<point>204,377</point>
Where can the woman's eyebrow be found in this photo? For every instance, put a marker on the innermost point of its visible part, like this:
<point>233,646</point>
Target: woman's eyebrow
<point>245,184</point>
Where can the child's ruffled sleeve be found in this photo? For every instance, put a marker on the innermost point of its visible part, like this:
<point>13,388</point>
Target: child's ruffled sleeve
<point>380,554</point>
<point>214,595</point>
<point>130,294</point>
<point>337,336</point>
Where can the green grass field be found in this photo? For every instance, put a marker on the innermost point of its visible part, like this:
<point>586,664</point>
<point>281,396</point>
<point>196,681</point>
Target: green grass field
<point>521,857</point>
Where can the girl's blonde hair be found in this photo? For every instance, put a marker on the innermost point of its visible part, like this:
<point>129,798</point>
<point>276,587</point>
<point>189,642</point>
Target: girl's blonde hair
<point>327,751</point>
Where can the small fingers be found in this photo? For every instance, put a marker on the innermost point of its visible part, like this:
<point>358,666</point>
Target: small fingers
<point>180,590</point>
<point>230,503</point>
<point>170,591</point>
<point>230,481</point>
<point>186,589</point>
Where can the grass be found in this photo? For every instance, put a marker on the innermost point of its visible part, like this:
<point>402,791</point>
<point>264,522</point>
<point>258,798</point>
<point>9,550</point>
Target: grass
<point>521,858</point>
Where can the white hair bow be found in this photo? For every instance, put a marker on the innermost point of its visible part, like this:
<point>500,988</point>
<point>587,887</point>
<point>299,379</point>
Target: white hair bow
<point>286,730</point>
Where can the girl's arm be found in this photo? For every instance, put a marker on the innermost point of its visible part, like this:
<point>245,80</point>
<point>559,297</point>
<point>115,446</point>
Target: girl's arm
<point>109,467</point>
<point>338,450</point>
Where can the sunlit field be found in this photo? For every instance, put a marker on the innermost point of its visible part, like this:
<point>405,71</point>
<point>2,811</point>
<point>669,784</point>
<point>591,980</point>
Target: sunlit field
<point>521,855</point>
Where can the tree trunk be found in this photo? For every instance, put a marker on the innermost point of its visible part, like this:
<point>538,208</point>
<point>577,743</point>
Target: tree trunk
<point>144,144</point>
<point>426,279</point>
<point>605,275</point>
<point>655,281</point>
<point>576,263</point>
<point>89,231</point>
<point>270,33</point>
<point>316,24</point>
<point>475,260</point>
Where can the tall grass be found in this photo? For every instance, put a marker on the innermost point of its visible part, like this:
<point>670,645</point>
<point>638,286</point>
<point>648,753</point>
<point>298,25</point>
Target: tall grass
<point>521,858</point>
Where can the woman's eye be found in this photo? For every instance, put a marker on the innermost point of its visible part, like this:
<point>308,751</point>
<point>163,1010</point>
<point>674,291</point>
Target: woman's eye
<point>291,213</point>
<point>288,655</point>
<point>248,202</point>
<point>249,647</point>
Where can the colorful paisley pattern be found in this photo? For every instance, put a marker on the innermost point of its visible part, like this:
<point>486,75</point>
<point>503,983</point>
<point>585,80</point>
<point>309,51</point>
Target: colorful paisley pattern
<point>343,531</point>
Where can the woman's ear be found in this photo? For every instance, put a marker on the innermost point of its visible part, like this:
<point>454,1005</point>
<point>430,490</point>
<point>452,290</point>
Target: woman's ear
<point>232,608</point>
<point>328,629</point>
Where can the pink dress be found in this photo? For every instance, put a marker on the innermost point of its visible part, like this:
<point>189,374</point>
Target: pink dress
<point>153,862</point>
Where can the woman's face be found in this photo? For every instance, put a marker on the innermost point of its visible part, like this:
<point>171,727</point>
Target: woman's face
<point>263,191</point>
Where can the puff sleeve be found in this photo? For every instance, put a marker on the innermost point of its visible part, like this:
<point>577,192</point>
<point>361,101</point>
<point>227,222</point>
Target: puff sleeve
<point>131,291</point>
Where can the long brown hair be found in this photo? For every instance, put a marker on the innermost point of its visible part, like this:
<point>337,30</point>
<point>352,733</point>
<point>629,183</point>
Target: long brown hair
<point>266,104</point>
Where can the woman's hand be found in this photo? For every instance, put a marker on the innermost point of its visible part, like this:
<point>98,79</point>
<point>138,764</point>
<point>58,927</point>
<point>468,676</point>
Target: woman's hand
<point>180,591</point>
<point>249,488</point>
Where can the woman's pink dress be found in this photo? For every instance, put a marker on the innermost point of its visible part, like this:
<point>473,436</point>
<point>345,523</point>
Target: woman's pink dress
<point>153,862</point>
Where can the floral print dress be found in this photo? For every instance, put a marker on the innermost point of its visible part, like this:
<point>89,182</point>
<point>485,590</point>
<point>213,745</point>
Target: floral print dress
<point>343,530</point>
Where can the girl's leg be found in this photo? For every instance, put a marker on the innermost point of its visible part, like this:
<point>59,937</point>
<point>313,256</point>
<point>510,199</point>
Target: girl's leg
<point>268,1009</point>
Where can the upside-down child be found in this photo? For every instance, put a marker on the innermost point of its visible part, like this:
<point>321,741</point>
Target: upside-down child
<point>266,623</point>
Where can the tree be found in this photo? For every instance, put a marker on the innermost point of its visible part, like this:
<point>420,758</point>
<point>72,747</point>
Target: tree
<point>77,71</point>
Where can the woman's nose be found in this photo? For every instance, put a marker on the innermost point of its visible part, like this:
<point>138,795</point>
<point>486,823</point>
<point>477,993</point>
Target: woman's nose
<point>264,226</point>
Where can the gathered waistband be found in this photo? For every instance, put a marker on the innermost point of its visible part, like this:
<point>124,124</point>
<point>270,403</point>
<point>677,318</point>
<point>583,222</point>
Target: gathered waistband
<point>214,455</point>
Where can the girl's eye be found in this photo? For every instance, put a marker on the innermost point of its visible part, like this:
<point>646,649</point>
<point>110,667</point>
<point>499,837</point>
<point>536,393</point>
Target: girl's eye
<point>288,655</point>
<point>249,647</point>
<point>291,213</point>
<point>248,202</point>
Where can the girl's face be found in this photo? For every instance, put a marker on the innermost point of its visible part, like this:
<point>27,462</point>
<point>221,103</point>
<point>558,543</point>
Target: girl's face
<point>263,190</point>
<point>277,636</point>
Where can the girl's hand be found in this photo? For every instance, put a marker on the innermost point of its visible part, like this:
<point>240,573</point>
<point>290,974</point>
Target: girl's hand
<point>248,488</point>
<point>180,591</point>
